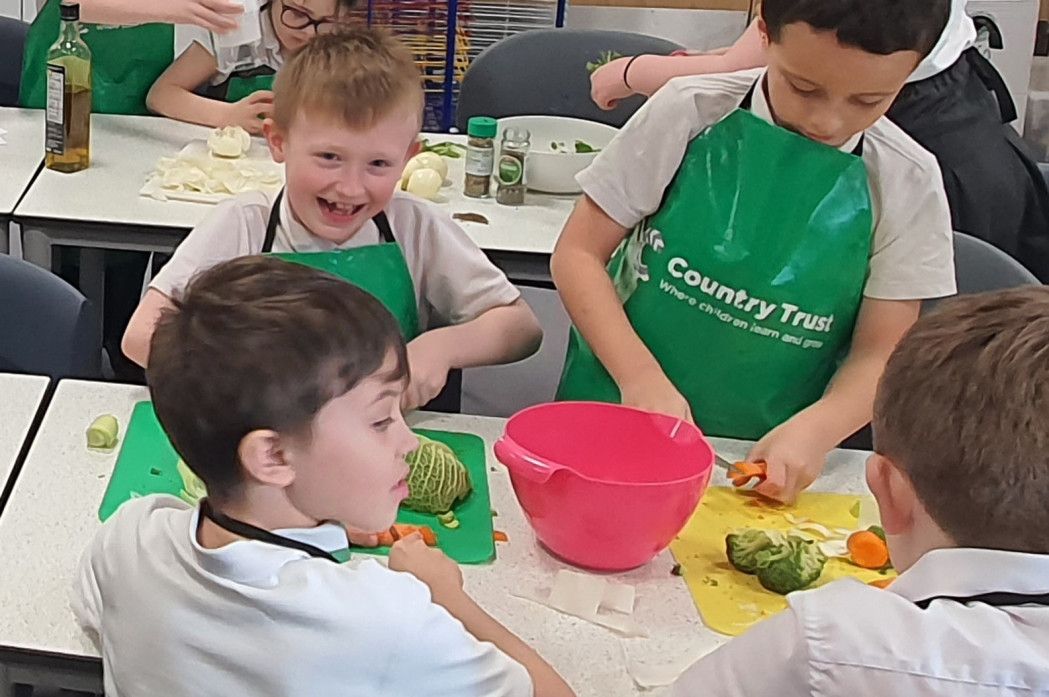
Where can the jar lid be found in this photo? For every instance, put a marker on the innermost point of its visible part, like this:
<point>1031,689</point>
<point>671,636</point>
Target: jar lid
<point>481,127</point>
<point>70,11</point>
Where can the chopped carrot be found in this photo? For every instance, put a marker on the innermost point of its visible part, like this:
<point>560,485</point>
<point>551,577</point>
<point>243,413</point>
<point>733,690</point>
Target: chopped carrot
<point>500,536</point>
<point>742,473</point>
<point>867,550</point>
<point>386,539</point>
<point>881,582</point>
<point>400,530</point>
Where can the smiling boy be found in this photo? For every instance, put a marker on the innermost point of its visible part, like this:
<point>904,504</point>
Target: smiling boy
<point>784,236</point>
<point>347,112</point>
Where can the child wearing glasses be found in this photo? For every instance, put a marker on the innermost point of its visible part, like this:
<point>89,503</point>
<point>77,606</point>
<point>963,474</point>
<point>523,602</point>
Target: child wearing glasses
<point>194,89</point>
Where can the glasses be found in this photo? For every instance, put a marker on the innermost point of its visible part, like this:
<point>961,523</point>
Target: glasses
<point>294,18</point>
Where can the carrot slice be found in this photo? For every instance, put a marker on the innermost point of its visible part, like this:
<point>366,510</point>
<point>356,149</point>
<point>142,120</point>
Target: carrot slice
<point>400,530</point>
<point>742,473</point>
<point>386,539</point>
<point>881,582</point>
<point>867,550</point>
<point>500,536</point>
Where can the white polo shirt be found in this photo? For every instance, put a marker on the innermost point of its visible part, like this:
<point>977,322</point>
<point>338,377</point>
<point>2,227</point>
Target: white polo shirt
<point>959,34</point>
<point>188,34</point>
<point>912,253</point>
<point>454,281</point>
<point>253,619</point>
<point>848,639</point>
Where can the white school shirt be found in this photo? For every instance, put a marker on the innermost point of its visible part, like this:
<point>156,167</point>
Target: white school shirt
<point>959,35</point>
<point>454,281</point>
<point>188,34</point>
<point>252,619</point>
<point>912,252</point>
<point>848,639</point>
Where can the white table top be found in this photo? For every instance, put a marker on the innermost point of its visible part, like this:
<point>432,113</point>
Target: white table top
<point>52,515</point>
<point>124,150</point>
<point>21,155</point>
<point>20,397</point>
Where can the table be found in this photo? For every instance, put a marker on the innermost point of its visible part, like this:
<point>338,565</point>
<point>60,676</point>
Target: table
<point>100,207</point>
<point>20,159</point>
<point>21,398</point>
<point>53,513</point>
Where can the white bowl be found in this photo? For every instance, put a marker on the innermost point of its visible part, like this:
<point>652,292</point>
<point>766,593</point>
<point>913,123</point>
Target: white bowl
<point>554,172</point>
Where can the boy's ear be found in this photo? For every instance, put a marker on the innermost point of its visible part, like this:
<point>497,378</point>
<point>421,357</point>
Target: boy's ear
<point>275,139</point>
<point>763,29</point>
<point>897,501</point>
<point>262,457</point>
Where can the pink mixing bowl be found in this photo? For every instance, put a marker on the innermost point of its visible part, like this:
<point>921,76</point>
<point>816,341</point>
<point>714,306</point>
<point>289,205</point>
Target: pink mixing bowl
<point>605,487</point>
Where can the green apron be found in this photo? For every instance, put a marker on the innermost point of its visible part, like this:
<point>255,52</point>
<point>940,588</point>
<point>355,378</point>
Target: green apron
<point>126,61</point>
<point>242,84</point>
<point>379,269</point>
<point>746,283</point>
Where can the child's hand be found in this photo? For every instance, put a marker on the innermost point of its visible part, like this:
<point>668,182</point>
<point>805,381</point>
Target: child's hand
<point>429,364</point>
<point>794,454</point>
<point>249,112</point>
<point>214,15</point>
<point>655,393</point>
<point>428,564</point>
<point>607,85</point>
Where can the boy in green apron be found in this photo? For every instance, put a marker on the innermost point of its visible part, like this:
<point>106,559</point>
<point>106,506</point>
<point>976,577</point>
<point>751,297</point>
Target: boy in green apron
<point>784,235</point>
<point>347,111</point>
<point>132,42</point>
<point>194,89</point>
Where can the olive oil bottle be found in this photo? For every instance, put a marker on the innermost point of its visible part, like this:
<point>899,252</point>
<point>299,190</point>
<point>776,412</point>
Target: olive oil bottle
<point>68,114</point>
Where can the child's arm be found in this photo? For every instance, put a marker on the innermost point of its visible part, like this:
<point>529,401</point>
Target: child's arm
<point>172,95</point>
<point>796,450</point>
<point>445,581</point>
<point>215,15</point>
<point>578,267</point>
<point>139,332</point>
<point>647,73</point>
<point>500,335</point>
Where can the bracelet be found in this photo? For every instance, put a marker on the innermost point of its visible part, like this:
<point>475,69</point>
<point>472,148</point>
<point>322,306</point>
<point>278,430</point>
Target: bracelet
<point>626,70</point>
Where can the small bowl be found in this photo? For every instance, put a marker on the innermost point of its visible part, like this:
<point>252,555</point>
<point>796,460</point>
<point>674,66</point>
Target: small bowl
<point>553,172</point>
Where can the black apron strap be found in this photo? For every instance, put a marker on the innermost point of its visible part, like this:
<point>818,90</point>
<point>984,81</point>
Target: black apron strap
<point>272,223</point>
<point>221,90</point>
<point>994,82</point>
<point>992,599</point>
<point>380,220</point>
<point>748,104</point>
<point>254,533</point>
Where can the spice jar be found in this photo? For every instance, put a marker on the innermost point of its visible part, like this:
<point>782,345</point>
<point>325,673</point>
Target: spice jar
<point>510,171</point>
<point>480,156</point>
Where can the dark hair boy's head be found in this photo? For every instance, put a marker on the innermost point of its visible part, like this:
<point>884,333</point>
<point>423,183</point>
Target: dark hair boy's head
<point>875,26</point>
<point>259,343</point>
<point>963,410</point>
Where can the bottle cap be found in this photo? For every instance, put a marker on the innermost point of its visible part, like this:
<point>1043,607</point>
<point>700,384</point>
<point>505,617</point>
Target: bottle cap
<point>482,127</point>
<point>70,12</point>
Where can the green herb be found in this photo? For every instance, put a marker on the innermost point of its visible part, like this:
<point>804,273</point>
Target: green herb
<point>445,148</point>
<point>581,146</point>
<point>605,58</point>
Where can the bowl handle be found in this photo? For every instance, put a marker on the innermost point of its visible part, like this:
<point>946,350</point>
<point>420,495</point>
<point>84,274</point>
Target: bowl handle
<point>521,462</point>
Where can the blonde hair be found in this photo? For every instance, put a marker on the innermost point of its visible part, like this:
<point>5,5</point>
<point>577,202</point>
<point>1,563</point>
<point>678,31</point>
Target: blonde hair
<point>358,76</point>
<point>963,410</point>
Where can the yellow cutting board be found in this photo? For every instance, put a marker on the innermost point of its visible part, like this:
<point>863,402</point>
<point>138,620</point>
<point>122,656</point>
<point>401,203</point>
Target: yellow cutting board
<point>730,601</point>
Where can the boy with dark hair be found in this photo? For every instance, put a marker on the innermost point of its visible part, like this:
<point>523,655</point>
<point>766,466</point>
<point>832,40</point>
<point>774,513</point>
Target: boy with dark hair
<point>280,386</point>
<point>784,236</point>
<point>961,475</point>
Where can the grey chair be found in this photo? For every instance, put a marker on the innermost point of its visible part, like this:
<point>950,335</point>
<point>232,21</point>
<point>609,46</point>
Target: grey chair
<point>543,71</point>
<point>979,267</point>
<point>46,326</point>
<point>12,47</point>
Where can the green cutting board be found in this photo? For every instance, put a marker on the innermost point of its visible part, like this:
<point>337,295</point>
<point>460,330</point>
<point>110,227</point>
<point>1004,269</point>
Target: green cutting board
<point>147,464</point>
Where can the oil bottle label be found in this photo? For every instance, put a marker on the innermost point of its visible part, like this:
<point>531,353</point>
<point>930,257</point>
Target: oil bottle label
<point>55,133</point>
